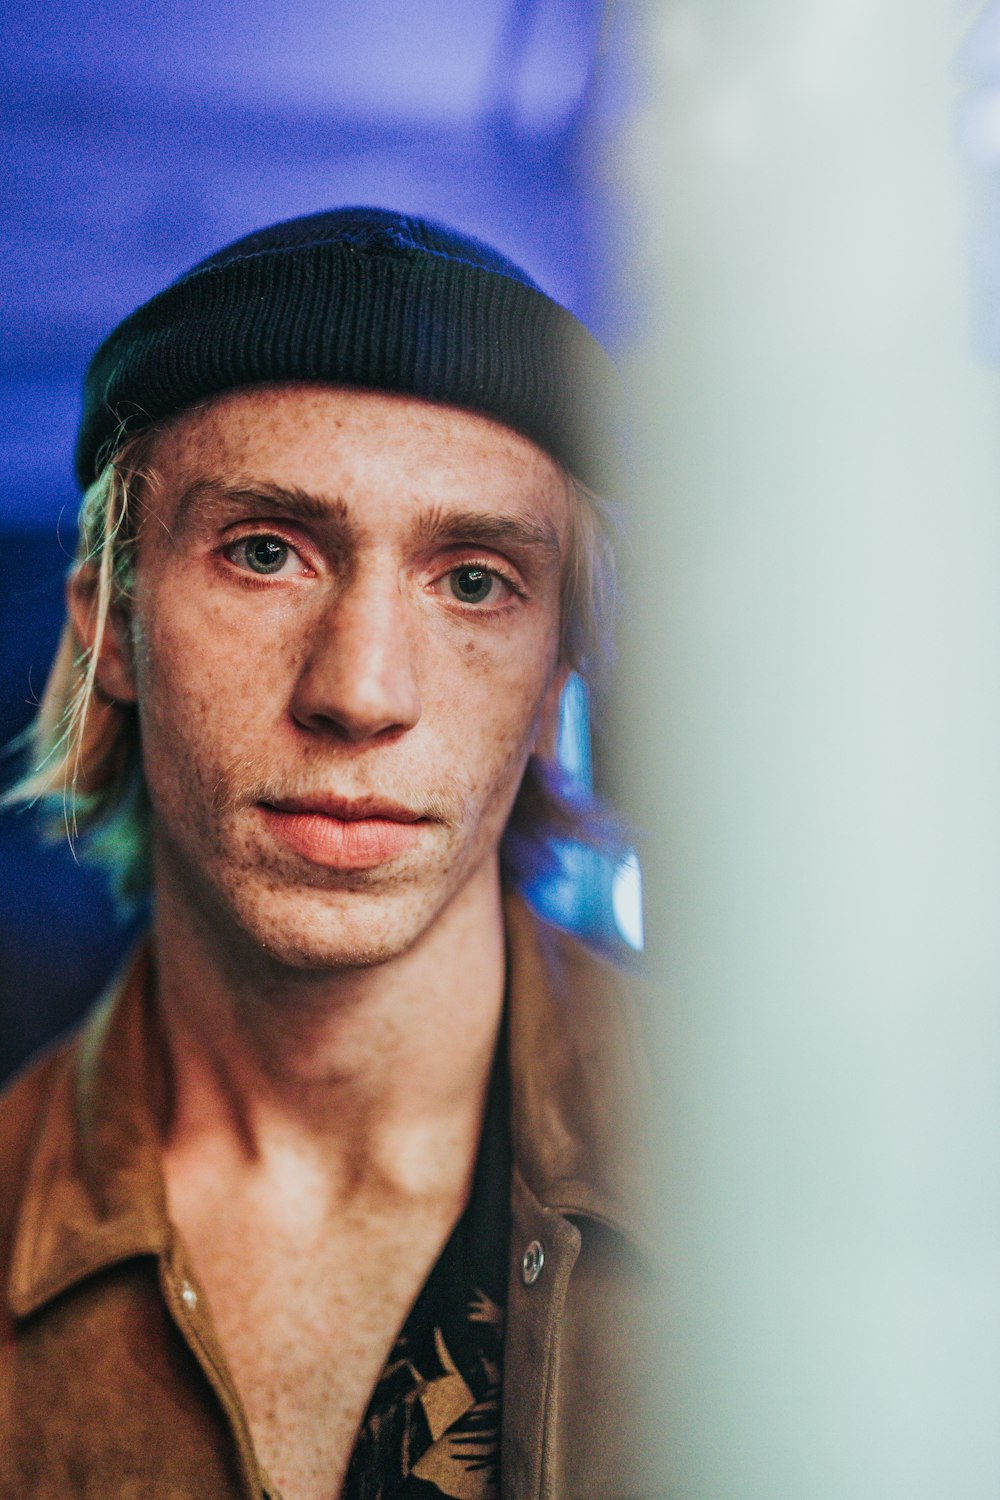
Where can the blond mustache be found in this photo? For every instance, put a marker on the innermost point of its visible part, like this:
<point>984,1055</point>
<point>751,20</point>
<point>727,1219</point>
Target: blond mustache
<point>247,783</point>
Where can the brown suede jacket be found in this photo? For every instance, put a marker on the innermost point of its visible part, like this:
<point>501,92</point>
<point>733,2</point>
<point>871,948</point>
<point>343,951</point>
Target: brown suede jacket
<point>112,1381</point>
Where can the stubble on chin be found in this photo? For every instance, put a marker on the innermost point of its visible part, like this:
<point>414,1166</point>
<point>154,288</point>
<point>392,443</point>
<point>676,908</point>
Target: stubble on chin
<point>256,906</point>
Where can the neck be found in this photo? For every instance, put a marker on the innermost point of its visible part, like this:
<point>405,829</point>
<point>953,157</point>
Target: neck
<point>378,1073</point>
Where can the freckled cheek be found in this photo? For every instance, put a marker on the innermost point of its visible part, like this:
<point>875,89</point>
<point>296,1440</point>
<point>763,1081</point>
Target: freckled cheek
<point>206,668</point>
<point>489,697</point>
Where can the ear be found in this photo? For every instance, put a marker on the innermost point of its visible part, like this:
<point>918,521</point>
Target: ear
<point>547,734</point>
<point>115,676</point>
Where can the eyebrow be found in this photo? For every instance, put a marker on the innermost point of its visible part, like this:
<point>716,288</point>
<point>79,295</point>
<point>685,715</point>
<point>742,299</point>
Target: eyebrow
<point>207,493</point>
<point>436,525</point>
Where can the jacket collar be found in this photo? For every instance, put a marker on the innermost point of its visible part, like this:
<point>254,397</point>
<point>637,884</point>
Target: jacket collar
<point>95,1193</point>
<point>579,1079</point>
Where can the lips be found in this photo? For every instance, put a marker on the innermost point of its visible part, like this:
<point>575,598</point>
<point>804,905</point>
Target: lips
<point>346,809</point>
<point>341,834</point>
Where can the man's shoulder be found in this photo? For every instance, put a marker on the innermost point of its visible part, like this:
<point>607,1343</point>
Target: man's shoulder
<point>580,1076</point>
<point>25,1101</point>
<point>596,997</point>
<point>608,981</point>
<point>25,1098</point>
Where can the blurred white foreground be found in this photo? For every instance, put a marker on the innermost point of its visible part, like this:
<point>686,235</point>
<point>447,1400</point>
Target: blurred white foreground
<point>812,704</point>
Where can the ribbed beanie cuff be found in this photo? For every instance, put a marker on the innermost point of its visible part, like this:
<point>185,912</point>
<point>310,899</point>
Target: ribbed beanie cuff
<point>368,298</point>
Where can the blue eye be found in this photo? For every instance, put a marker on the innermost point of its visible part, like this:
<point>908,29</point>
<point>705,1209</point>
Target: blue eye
<point>472,585</point>
<point>265,554</point>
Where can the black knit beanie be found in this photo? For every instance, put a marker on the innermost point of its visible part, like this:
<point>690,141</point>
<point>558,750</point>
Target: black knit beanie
<point>361,297</point>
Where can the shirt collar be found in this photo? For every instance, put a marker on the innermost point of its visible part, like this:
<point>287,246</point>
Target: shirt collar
<point>95,1193</point>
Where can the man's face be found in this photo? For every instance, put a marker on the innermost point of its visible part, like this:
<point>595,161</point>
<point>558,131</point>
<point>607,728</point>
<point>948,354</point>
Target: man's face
<point>344,633</point>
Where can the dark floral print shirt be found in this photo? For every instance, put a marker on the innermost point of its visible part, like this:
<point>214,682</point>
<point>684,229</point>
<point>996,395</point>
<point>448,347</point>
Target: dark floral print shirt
<point>432,1428</point>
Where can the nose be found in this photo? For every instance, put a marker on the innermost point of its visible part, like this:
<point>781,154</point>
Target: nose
<point>358,678</point>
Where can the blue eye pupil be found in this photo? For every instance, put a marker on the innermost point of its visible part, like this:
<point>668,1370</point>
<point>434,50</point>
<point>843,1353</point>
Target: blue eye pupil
<point>265,554</point>
<point>471,584</point>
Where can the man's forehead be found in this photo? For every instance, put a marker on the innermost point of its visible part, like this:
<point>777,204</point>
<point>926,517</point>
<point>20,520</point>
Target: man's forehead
<point>321,422</point>
<point>332,454</point>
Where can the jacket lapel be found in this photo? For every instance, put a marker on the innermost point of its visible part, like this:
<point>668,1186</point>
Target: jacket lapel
<point>578,1090</point>
<point>579,1078</point>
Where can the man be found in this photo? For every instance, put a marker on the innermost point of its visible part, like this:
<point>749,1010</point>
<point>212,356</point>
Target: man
<point>334,1193</point>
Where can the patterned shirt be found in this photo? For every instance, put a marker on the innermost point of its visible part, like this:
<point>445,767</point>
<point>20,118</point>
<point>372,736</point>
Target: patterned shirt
<point>432,1428</point>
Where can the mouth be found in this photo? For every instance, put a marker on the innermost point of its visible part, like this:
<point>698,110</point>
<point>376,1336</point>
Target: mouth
<point>343,834</point>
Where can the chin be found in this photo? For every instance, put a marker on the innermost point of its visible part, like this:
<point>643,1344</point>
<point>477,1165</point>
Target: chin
<point>263,909</point>
<point>320,930</point>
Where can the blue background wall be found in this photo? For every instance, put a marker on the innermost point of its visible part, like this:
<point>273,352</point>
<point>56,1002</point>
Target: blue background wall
<point>137,138</point>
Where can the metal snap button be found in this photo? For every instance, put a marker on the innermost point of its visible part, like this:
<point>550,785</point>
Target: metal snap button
<point>188,1295</point>
<point>531,1265</point>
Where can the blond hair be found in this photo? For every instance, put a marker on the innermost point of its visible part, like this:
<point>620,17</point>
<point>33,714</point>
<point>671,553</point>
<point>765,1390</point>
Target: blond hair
<point>84,751</point>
